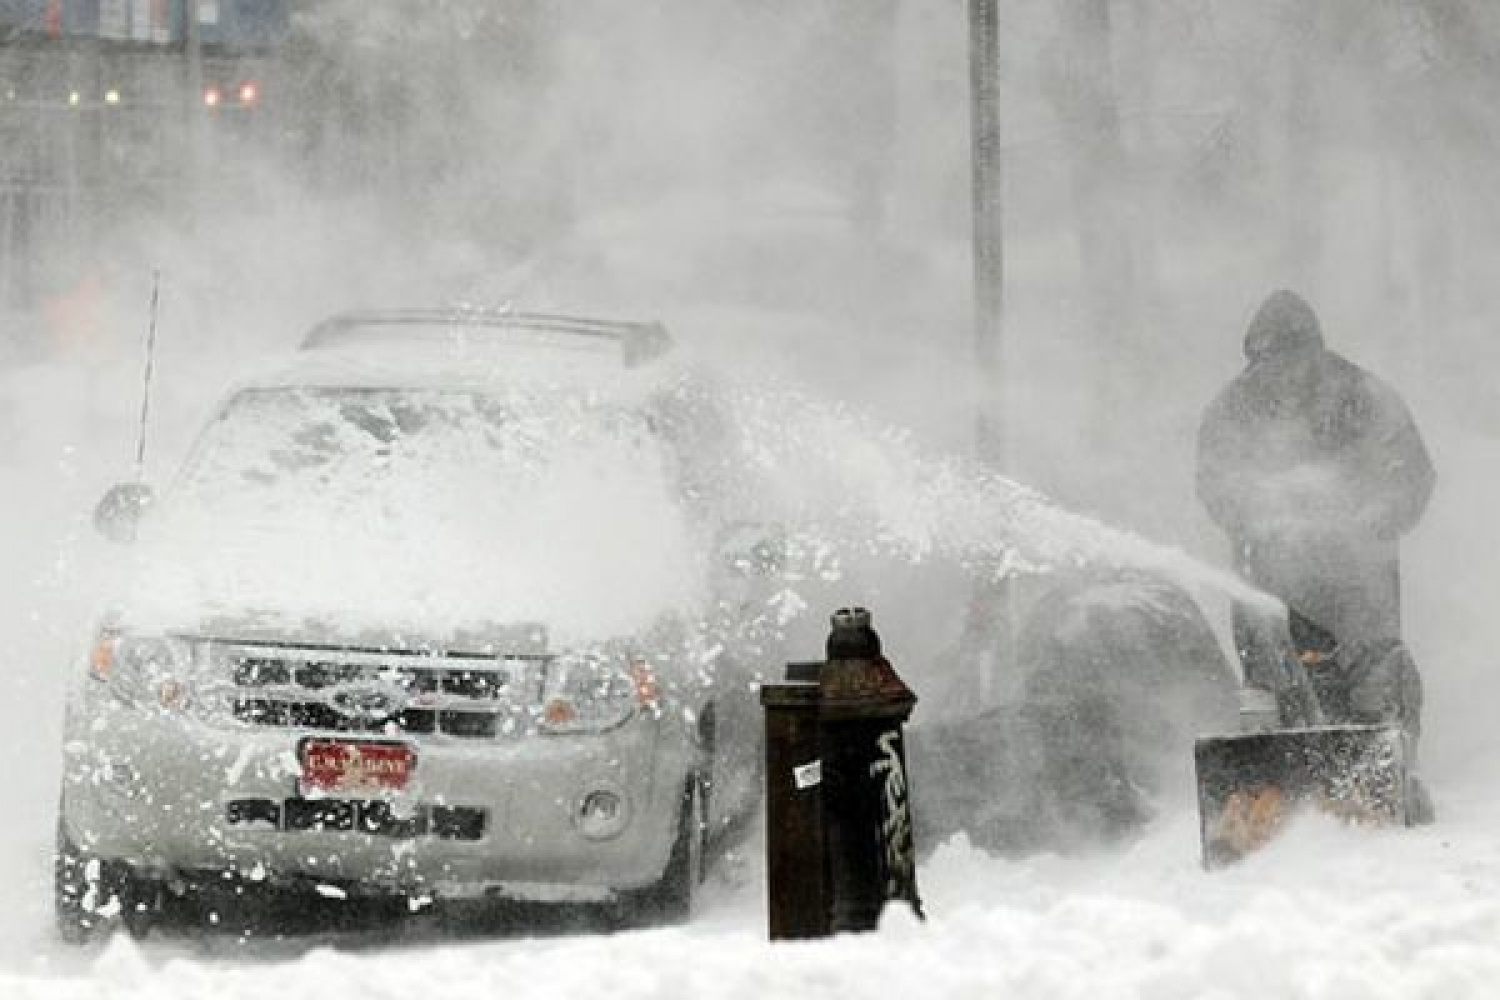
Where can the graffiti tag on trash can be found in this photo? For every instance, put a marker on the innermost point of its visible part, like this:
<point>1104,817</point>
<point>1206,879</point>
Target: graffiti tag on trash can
<point>895,827</point>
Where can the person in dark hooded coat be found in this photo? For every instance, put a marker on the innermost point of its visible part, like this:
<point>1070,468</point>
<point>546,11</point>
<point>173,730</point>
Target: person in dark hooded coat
<point>1314,468</point>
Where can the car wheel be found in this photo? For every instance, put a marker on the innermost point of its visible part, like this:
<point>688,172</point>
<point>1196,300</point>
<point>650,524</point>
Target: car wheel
<point>670,901</point>
<point>76,891</point>
<point>92,896</point>
<point>142,902</point>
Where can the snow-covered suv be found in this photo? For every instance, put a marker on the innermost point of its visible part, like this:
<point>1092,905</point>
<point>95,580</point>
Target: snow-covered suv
<point>441,607</point>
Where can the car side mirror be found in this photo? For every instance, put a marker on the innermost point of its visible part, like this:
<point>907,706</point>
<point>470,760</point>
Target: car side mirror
<point>119,512</point>
<point>752,548</point>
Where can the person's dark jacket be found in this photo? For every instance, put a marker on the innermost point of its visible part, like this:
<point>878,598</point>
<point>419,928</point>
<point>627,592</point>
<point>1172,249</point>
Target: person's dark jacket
<point>1314,468</point>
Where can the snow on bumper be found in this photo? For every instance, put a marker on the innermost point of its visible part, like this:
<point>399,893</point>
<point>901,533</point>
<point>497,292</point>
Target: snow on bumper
<point>173,796</point>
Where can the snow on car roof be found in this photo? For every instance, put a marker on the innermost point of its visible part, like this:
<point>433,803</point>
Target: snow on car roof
<point>465,349</point>
<point>416,367</point>
<point>631,342</point>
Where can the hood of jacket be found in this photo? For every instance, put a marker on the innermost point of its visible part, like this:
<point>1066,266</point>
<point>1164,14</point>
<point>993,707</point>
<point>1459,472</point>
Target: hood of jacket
<point>1283,325</point>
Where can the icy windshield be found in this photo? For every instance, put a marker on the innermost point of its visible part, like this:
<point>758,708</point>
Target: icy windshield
<point>351,445</point>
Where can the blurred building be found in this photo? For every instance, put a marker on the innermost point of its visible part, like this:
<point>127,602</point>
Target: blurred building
<point>496,122</point>
<point>109,110</point>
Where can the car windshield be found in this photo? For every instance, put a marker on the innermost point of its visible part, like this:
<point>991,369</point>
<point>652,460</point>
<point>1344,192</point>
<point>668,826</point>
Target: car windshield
<point>269,444</point>
<point>543,502</point>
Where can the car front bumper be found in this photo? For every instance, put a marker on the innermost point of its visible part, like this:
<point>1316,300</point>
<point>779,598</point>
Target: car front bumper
<point>175,797</point>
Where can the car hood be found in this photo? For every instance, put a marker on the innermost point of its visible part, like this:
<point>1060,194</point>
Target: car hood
<point>408,580</point>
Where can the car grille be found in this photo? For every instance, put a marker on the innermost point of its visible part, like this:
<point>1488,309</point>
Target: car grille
<point>354,691</point>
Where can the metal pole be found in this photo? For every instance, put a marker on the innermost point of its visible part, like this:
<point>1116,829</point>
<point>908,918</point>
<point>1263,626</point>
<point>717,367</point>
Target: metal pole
<point>196,132</point>
<point>988,641</point>
<point>988,252</point>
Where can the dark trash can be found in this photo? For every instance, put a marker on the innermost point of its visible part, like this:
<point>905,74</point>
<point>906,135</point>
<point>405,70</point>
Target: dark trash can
<point>839,842</point>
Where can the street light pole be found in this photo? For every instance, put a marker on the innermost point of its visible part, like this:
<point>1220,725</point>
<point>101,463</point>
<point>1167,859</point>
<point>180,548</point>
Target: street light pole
<point>988,250</point>
<point>988,640</point>
<point>192,41</point>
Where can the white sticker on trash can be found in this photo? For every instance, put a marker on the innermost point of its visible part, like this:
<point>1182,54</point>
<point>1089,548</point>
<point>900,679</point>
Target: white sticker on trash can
<point>808,775</point>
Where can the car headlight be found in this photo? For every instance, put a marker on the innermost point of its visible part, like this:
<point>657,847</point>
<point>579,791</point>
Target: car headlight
<point>144,671</point>
<point>591,693</point>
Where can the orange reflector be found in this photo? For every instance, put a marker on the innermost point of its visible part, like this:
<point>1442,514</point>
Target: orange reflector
<point>559,711</point>
<point>646,688</point>
<point>102,658</point>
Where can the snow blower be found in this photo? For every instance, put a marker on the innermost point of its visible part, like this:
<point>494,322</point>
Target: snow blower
<point>1289,757</point>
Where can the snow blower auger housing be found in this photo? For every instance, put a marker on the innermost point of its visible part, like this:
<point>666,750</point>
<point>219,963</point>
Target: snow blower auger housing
<point>1249,784</point>
<point>1289,758</point>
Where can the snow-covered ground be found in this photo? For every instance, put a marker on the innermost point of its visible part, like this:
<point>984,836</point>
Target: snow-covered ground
<point>1327,911</point>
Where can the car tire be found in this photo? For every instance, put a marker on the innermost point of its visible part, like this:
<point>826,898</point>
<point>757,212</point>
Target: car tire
<point>76,888</point>
<point>670,901</point>
<point>91,896</point>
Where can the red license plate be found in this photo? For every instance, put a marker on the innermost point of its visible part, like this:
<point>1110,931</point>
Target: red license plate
<point>355,767</point>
